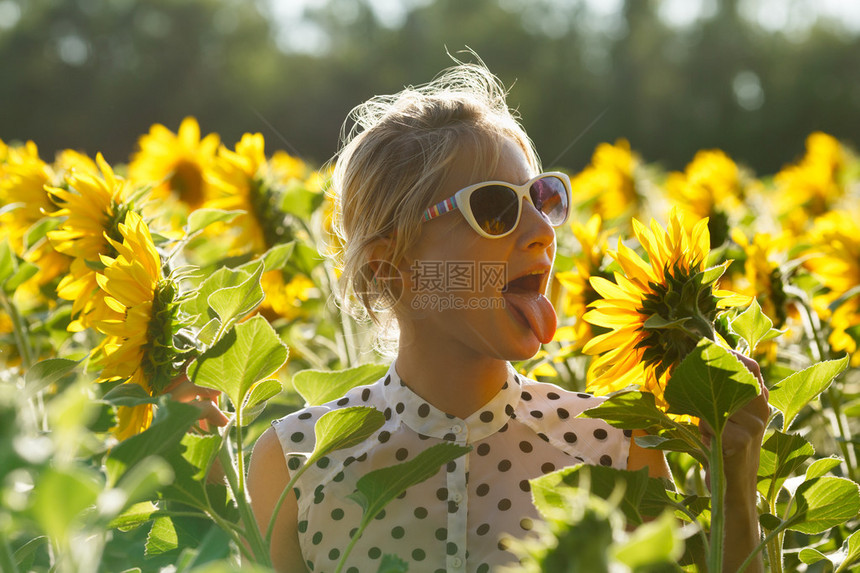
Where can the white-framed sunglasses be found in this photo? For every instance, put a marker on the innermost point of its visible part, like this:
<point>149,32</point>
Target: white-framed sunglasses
<point>493,208</point>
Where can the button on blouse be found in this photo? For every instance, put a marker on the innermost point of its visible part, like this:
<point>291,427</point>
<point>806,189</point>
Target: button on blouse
<point>456,520</point>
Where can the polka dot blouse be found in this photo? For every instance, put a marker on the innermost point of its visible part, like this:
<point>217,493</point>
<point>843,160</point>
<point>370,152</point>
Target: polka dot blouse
<point>453,521</point>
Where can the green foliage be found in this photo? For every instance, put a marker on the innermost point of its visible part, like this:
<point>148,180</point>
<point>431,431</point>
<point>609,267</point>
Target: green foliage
<point>318,387</point>
<point>244,357</point>
<point>781,456</point>
<point>799,389</point>
<point>753,326</point>
<point>822,503</point>
<point>710,384</point>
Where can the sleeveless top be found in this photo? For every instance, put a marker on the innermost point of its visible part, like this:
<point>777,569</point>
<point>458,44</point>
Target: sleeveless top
<point>455,520</point>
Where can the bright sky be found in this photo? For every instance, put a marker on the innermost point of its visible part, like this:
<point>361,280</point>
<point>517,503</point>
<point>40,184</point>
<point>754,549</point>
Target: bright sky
<point>794,17</point>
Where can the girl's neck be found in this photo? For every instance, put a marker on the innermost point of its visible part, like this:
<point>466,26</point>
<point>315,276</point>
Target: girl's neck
<point>454,379</point>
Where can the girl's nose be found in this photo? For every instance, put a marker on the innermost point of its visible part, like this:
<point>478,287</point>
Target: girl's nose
<point>534,230</point>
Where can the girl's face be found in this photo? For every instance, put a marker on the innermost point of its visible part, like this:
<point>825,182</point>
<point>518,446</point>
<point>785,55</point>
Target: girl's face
<point>456,287</point>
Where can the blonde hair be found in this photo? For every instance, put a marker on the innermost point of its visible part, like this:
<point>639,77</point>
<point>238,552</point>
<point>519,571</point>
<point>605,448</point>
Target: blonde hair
<point>398,152</point>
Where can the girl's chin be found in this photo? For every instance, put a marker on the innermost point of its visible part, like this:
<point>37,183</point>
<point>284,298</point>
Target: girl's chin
<point>512,338</point>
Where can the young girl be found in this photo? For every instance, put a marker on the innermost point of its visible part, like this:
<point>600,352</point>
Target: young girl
<point>449,223</point>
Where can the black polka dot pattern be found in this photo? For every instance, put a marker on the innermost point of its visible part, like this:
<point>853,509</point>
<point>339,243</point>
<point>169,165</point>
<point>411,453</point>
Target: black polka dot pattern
<point>454,520</point>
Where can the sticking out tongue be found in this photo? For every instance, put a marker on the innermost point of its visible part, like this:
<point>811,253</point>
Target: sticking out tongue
<point>536,310</point>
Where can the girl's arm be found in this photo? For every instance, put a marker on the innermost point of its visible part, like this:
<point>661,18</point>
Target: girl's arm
<point>654,460</point>
<point>742,438</point>
<point>267,478</point>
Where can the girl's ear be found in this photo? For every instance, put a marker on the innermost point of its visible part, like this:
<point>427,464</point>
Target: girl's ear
<point>380,250</point>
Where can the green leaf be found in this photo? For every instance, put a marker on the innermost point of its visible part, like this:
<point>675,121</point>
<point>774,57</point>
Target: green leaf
<point>234,302</point>
<point>249,353</point>
<point>343,428</point>
<point>61,497</point>
<point>301,201</point>
<point>769,521</point>
<point>809,556</point>
<point>651,543</point>
<point>263,391</point>
<point>754,326</point>
<point>845,297</point>
<point>305,258</point>
<point>821,467</point>
<point>824,502</point>
<point>45,372</point>
<point>710,384</point>
<point>781,454</point>
<point>24,271</point>
<point>657,322</point>
<point>851,547</point>
<point>8,262</point>
<point>138,484</point>
<point>712,274</point>
<point>199,219</point>
<point>320,386</point>
<point>172,420</point>
<point>198,305</point>
<point>604,482</point>
<point>392,564</point>
<point>630,410</point>
<point>273,259</point>
<point>793,393</point>
<point>378,487</point>
<point>200,452</point>
<point>134,516</point>
<point>129,395</point>
<point>208,331</point>
<point>25,555</point>
<point>162,537</point>
<point>39,229</point>
<point>214,547</point>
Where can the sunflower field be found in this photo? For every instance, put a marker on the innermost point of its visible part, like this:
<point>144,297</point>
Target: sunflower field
<point>200,261</point>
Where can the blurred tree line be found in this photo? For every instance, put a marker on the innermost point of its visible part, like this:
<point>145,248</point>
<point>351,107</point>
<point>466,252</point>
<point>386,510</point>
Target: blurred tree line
<point>95,74</point>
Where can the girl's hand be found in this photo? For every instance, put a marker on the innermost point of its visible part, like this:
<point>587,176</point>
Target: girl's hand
<point>183,390</point>
<point>742,435</point>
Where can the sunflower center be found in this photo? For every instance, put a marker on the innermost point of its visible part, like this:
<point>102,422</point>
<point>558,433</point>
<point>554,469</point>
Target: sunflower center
<point>679,312</point>
<point>187,181</point>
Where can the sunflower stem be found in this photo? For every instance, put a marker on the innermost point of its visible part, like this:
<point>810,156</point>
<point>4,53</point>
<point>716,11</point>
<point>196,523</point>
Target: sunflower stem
<point>718,510</point>
<point>19,331</point>
<point>820,352</point>
<point>287,489</point>
<point>774,542</point>
<point>252,532</point>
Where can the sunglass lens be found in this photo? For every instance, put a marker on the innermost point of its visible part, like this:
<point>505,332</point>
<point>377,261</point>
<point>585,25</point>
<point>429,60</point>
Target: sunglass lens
<point>495,208</point>
<point>549,196</point>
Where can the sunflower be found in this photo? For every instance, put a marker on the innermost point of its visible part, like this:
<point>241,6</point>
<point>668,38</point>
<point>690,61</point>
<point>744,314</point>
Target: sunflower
<point>764,277</point>
<point>138,346</point>
<point>284,295</point>
<point>22,191</point>
<point>608,185</point>
<point>814,185</point>
<point>656,311</point>
<point>238,178</point>
<point>92,206</point>
<point>711,186</point>
<point>835,260</point>
<point>578,292</point>
<point>176,163</point>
